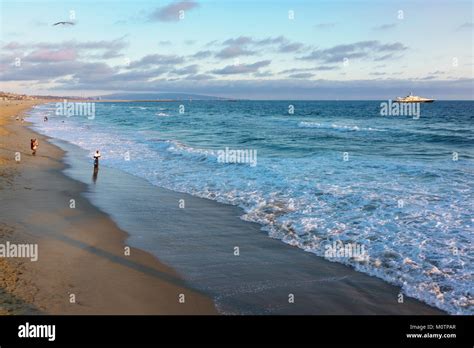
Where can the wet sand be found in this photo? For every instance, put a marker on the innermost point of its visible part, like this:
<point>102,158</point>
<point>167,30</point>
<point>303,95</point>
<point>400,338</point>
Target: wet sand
<point>81,250</point>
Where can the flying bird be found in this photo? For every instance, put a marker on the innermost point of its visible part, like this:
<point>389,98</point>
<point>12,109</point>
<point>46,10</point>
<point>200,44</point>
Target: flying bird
<point>63,23</point>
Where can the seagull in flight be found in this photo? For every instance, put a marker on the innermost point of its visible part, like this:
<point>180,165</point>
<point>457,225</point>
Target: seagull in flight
<point>63,23</point>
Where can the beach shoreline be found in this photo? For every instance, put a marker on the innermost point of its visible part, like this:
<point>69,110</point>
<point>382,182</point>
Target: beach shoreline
<point>36,201</point>
<point>78,271</point>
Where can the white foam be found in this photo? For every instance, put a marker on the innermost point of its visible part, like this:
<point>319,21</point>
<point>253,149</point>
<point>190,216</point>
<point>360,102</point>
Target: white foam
<point>307,124</point>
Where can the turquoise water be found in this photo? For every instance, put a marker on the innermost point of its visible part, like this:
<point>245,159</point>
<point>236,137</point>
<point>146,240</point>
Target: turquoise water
<point>330,172</point>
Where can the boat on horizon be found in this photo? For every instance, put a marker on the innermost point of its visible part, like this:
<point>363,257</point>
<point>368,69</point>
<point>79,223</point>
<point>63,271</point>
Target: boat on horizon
<point>413,99</point>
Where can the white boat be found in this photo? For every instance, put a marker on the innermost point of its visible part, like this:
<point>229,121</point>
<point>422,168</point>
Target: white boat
<point>413,99</point>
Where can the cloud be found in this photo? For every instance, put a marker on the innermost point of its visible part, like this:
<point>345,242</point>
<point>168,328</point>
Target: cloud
<point>47,71</point>
<point>236,47</point>
<point>396,46</point>
<point>138,76</point>
<point>247,46</point>
<point>467,25</point>
<point>384,27</point>
<point>111,54</point>
<point>46,55</point>
<point>202,54</point>
<point>241,40</point>
<point>116,44</point>
<point>170,13</point>
<point>296,70</point>
<point>109,48</point>
<point>7,59</point>
<point>301,76</point>
<point>241,68</point>
<point>44,61</point>
<point>199,77</point>
<point>326,67</point>
<point>281,44</point>
<point>187,70</point>
<point>59,63</point>
<point>262,74</point>
<point>306,70</point>
<point>361,49</point>
<point>272,40</point>
<point>211,43</point>
<point>292,47</point>
<point>156,59</point>
<point>429,77</point>
<point>13,46</point>
<point>234,51</point>
<point>36,72</point>
<point>165,43</point>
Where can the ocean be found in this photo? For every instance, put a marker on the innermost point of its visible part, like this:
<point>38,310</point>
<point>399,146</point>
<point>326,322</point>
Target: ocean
<point>322,176</point>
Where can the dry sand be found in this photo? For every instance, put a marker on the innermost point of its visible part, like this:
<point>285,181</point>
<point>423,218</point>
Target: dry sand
<point>81,250</point>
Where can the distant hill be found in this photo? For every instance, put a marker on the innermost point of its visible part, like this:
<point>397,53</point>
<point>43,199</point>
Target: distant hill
<point>158,96</point>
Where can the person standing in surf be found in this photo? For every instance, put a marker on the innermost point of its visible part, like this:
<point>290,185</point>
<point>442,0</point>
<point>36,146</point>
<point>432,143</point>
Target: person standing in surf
<point>96,159</point>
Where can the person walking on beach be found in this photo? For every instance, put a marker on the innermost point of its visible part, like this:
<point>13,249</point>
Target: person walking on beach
<point>34,145</point>
<point>96,159</point>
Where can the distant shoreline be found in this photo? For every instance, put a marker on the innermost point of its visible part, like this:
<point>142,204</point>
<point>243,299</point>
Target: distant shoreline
<point>136,101</point>
<point>241,100</point>
<point>162,100</point>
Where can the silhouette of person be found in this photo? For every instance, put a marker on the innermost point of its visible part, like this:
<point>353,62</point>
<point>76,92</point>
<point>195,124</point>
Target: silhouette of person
<point>96,159</point>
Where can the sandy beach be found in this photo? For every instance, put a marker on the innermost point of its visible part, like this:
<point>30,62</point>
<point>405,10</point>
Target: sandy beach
<point>80,251</point>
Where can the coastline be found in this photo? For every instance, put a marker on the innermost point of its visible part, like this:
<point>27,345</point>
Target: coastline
<point>80,250</point>
<point>322,287</point>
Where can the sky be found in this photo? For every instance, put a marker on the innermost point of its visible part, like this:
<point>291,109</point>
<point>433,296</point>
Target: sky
<point>309,49</point>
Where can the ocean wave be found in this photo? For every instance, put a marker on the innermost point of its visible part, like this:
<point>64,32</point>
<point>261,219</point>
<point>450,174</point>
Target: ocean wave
<point>307,124</point>
<point>182,149</point>
<point>312,204</point>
